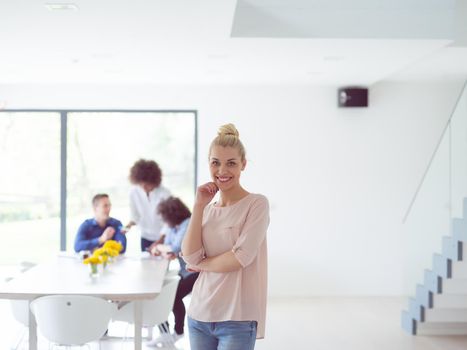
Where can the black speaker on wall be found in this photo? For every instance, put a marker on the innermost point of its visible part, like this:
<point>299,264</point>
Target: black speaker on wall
<point>352,97</point>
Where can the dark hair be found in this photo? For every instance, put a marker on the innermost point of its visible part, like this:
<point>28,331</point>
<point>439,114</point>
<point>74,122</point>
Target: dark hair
<point>98,197</point>
<point>146,171</point>
<point>173,211</point>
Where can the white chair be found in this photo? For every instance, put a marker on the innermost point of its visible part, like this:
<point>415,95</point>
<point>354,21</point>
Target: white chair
<point>72,320</point>
<point>155,311</point>
<point>20,311</point>
<point>20,308</point>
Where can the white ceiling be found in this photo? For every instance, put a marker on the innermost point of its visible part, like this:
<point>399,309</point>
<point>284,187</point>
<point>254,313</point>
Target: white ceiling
<point>214,42</point>
<point>383,19</point>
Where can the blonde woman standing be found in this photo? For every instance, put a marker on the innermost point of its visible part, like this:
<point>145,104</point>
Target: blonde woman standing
<point>226,243</point>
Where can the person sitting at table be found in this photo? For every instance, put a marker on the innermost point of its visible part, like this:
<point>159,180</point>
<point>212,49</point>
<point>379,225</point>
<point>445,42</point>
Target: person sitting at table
<point>94,232</point>
<point>176,216</point>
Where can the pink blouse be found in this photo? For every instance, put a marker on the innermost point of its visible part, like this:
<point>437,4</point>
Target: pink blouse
<point>238,295</point>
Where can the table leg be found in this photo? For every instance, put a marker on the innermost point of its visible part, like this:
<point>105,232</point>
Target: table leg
<point>32,330</point>
<point>138,324</point>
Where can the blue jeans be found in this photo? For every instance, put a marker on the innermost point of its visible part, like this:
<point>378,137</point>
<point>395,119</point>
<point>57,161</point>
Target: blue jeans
<point>227,335</point>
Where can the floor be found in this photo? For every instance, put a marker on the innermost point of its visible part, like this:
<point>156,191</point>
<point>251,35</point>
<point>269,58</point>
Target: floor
<point>309,323</point>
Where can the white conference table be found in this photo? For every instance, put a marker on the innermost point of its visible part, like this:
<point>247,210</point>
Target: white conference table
<point>127,279</point>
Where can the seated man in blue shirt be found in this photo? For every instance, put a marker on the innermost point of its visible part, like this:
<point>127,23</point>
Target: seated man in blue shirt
<point>94,232</point>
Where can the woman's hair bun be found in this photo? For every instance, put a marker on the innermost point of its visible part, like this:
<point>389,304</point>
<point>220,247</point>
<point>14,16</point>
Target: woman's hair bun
<point>228,136</point>
<point>228,129</point>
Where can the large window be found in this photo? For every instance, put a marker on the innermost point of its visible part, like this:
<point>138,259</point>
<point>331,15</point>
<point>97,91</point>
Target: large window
<point>95,153</point>
<point>29,186</point>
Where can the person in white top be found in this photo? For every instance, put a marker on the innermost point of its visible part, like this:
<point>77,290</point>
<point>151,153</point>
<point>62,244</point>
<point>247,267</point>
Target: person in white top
<point>145,196</point>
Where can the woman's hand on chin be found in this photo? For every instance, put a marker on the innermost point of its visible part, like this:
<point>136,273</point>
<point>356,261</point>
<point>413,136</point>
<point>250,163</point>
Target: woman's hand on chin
<point>205,193</point>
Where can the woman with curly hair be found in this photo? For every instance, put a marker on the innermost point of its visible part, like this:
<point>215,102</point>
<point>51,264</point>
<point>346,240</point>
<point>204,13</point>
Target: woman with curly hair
<point>177,217</point>
<point>145,196</point>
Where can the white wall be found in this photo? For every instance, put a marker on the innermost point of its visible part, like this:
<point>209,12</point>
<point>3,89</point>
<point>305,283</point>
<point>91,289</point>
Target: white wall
<point>339,180</point>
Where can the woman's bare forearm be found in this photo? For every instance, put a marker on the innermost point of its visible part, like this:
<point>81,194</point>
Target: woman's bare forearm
<point>225,262</point>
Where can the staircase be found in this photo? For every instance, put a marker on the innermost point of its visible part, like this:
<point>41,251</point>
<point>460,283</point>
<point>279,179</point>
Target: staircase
<point>440,303</point>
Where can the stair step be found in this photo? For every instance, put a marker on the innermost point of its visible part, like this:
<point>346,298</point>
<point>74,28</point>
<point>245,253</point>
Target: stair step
<point>450,301</point>
<point>424,296</point>
<point>432,281</point>
<point>408,323</point>
<point>453,248</point>
<point>464,207</point>
<point>446,315</point>
<point>459,269</point>
<point>416,311</point>
<point>441,328</point>
<point>442,266</point>
<point>454,286</point>
<point>459,229</point>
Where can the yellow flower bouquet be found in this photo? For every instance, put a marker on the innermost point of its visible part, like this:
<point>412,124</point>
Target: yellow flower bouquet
<point>93,261</point>
<point>103,255</point>
<point>112,248</point>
